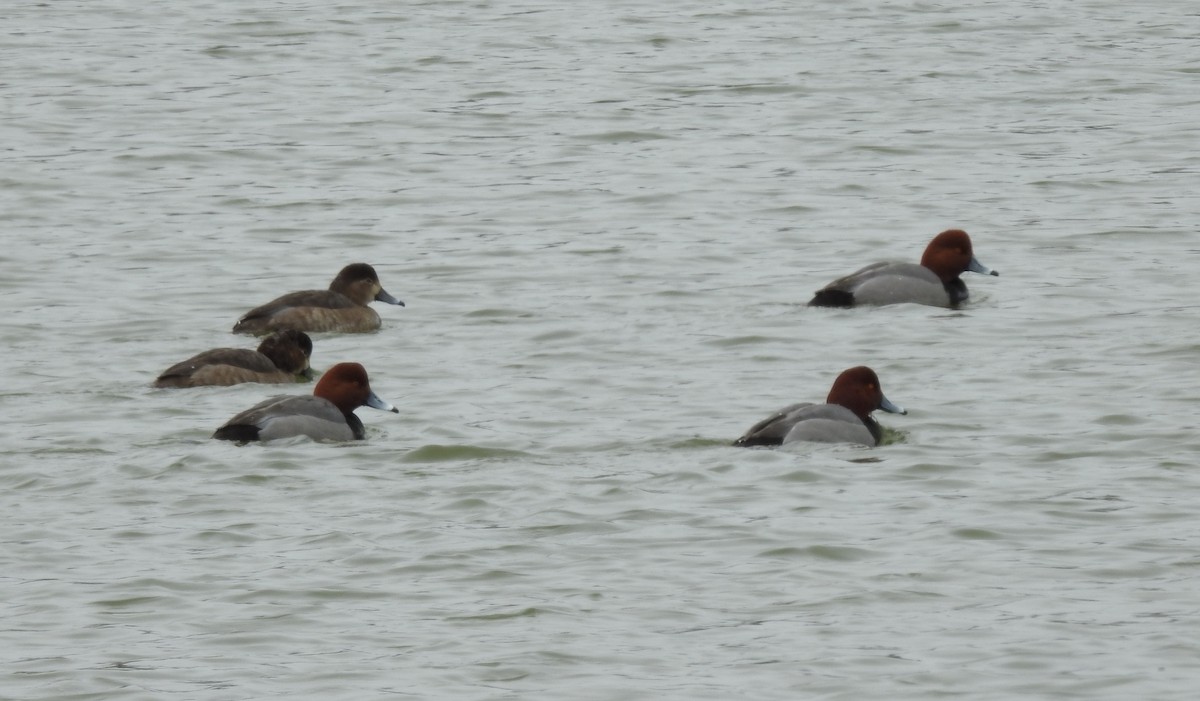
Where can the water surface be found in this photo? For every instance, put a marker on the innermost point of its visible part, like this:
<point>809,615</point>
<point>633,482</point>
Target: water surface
<point>605,221</point>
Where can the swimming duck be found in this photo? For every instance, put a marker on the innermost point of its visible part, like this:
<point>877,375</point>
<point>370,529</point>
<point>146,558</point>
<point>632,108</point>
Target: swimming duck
<point>342,308</point>
<point>327,415</point>
<point>281,357</point>
<point>845,417</point>
<point>934,282</point>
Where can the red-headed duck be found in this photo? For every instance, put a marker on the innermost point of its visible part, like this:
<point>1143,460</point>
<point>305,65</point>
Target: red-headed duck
<point>844,418</point>
<point>281,357</point>
<point>934,282</point>
<point>342,308</point>
<point>327,415</point>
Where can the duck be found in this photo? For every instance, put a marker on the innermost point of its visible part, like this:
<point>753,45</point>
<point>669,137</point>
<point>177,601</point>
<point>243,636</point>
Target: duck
<point>934,282</point>
<point>340,309</point>
<point>281,357</point>
<point>326,415</point>
<point>845,417</point>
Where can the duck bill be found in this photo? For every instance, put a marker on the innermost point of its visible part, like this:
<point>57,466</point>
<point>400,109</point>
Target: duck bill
<point>976,267</point>
<point>375,402</point>
<point>383,296</point>
<point>889,407</point>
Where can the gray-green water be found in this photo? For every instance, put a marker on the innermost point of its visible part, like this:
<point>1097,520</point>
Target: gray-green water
<point>605,219</point>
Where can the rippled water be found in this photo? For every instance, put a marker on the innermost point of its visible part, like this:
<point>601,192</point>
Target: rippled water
<point>606,219</point>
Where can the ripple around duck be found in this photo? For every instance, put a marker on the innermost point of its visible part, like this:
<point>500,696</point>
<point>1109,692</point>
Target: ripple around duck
<point>453,453</point>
